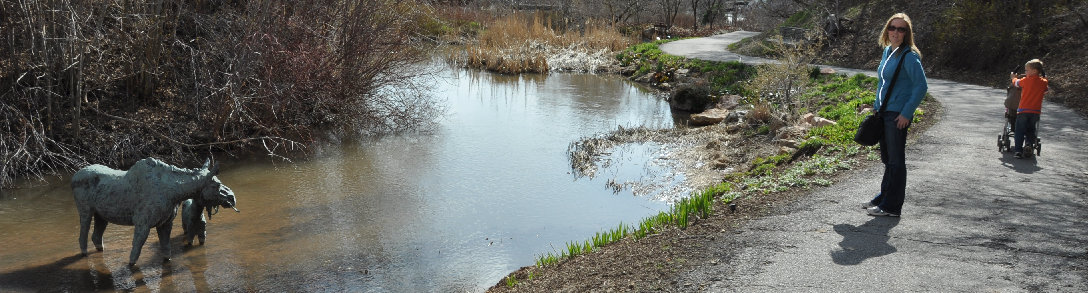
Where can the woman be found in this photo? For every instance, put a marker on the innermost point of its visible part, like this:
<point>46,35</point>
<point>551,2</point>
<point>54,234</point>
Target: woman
<point>907,90</point>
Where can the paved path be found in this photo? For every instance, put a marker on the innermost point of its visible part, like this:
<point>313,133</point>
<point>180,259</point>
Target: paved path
<point>975,220</point>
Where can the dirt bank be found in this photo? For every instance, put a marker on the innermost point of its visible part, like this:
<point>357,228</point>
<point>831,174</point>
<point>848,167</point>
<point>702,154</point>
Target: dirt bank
<point>657,263</point>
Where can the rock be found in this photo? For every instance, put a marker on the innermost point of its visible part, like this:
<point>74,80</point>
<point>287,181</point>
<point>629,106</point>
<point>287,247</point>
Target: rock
<point>649,77</point>
<point>791,132</point>
<point>808,118</point>
<point>709,117</point>
<point>786,150</point>
<point>788,143</point>
<point>816,121</point>
<point>664,86</point>
<point>736,116</point>
<point>821,122</point>
<point>827,70</point>
<point>720,164</point>
<point>728,102</point>
<point>691,98</point>
<point>864,108</point>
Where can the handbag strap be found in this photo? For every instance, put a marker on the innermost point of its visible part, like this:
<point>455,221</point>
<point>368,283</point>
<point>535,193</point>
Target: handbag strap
<point>895,76</point>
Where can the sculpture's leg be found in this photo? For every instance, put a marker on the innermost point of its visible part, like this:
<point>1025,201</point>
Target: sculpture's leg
<point>189,234</point>
<point>99,228</point>
<point>84,227</point>
<point>164,239</point>
<point>139,236</point>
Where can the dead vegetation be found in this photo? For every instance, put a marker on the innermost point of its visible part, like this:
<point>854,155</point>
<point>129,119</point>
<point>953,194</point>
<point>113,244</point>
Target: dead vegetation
<point>530,43</point>
<point>115,81</point>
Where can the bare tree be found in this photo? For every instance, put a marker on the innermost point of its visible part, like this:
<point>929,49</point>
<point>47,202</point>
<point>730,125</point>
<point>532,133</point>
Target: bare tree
<point>622,11</point>
<point>669,10</point>
<point>695,14</point>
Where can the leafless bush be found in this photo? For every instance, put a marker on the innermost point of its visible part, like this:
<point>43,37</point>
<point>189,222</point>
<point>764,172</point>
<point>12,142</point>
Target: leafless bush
<point>113,81</point>
<point>778,83</point>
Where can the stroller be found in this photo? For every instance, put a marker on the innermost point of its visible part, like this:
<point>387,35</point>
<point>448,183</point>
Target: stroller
<point>1032,145</point>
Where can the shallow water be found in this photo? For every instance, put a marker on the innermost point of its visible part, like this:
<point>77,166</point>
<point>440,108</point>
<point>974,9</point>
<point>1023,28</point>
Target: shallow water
<point>455,209</point>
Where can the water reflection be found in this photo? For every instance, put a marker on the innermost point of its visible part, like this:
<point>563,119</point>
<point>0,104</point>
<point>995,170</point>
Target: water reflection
<point>454,209</point>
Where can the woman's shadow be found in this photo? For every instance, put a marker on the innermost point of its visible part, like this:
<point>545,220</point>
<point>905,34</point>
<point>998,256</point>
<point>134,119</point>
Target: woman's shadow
<point>864,242</point>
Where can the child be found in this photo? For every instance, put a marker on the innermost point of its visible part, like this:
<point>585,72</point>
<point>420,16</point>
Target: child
<point>1031,103</point>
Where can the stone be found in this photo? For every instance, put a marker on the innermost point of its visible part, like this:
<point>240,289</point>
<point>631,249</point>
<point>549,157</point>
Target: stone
<point>691,98</point>
<point>865,108</point>
<point>736,116</point>
<point>827,71</point>
<point>789,143</point>
<point>720,163</point>
<point>821,122</point>
<point>709,117</point>
<point>808,118</point>
<point>729,102</point>
<point>791,132</point>
<point>816,121</point>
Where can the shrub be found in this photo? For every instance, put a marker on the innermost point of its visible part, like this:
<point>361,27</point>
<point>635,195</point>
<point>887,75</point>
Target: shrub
<point>190,77</point>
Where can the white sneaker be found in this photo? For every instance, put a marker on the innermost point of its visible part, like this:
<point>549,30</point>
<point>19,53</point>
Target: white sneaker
<point>876,211</point>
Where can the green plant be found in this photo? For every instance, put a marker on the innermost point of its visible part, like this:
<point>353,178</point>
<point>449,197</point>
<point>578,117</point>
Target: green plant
<point>801,19</point>
<point>650,58</point>
<point>763,129</point>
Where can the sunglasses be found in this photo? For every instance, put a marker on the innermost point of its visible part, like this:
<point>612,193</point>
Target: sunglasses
<point>901,29</point>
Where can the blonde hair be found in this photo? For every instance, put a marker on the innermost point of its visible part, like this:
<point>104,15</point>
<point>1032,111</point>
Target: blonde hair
<point>908,40</point>
<point>1035,64</point>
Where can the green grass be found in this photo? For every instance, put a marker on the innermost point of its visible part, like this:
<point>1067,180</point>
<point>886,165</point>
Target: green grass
<point>724,77</point>
<point>838,98</point>
<point>511,281</point>
<point>698,205</point>
<point>649,58</point>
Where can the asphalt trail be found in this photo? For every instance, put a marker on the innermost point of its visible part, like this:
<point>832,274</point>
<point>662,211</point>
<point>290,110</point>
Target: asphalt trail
<point>975,220</point>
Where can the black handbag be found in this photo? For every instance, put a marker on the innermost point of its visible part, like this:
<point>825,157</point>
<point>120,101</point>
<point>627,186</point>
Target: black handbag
<point>871,129</point>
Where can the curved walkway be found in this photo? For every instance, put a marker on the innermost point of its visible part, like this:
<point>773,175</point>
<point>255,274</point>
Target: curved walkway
<point>975,220</point>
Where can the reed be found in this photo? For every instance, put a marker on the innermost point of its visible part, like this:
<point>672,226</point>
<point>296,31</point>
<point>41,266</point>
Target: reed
<point>528,43</point>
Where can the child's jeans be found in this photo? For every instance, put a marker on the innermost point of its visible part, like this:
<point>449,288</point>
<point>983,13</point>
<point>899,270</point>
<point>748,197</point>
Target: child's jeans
<point>1025,126</point>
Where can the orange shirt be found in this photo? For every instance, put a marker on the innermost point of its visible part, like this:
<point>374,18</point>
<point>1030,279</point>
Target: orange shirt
<point>1031,98</point>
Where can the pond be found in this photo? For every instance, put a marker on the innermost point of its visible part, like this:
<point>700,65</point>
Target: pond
<point>453,209</point>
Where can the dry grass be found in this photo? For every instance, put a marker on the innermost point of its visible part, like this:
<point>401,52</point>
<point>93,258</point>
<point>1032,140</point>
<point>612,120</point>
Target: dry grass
<point>528,43</point>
